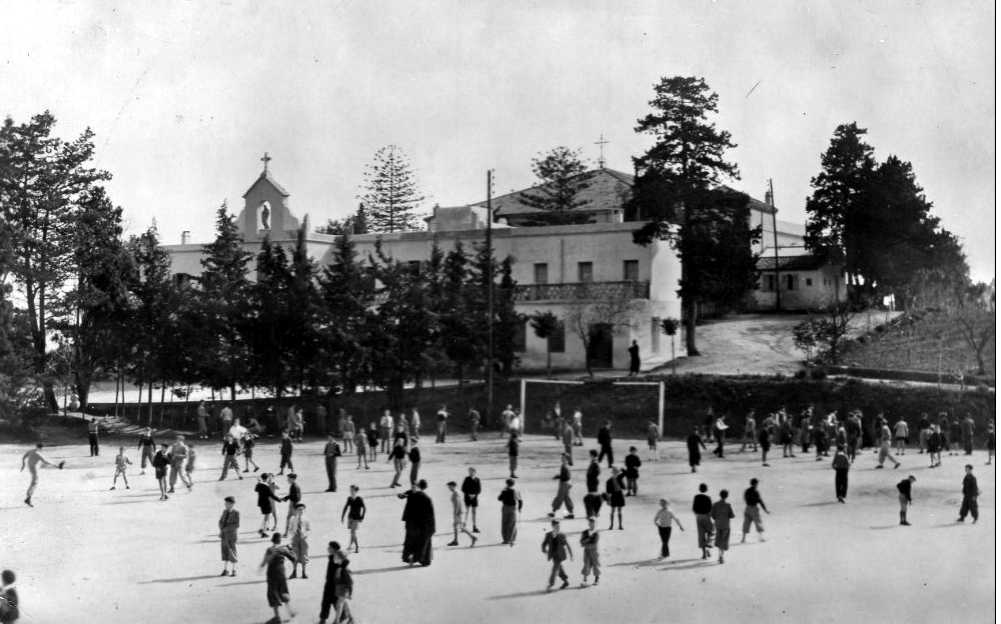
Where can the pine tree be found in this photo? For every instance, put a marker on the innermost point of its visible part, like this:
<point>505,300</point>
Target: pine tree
<point>509,322</point>
<point>563,176</point>
<point>390,197</point>
<point>347,291</point>
<point>268,331</point>
<point>303,308</point>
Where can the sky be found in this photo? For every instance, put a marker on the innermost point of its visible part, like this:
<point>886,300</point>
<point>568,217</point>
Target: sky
<point>185,97</point>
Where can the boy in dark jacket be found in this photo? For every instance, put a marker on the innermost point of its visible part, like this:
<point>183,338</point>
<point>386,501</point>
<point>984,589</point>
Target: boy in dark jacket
<point>970,493</point>
<point>338,587</point>
<point>9,605</point>
<point>633,464</point>
<point>286,453</point>
<point>557,551</point>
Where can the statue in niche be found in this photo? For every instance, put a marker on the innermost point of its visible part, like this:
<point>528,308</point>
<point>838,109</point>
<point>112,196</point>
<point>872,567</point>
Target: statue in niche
<point>265,212</point>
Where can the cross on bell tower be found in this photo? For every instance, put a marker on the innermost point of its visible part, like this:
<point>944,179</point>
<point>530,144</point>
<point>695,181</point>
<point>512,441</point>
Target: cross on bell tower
<point>265,159</point>
<point>601,143</point>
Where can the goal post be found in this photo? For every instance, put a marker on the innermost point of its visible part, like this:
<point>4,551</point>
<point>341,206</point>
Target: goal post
<point>525,381</point>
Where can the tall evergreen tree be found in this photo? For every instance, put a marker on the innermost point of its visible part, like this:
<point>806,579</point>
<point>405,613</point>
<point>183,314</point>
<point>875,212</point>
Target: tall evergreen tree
<point>304,313</point>
<point>509,322</point>
<point>347,291</point>
<point>269,328</point>
<point>390,197</point>
<point>222,302</point>
<point>457,320</point>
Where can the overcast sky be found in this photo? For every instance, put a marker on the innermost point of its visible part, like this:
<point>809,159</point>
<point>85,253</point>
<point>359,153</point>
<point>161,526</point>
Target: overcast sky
<point>186,96</point>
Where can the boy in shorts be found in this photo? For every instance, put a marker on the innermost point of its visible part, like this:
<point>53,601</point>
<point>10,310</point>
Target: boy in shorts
<point>458,522</point>
<point>354,508</point>
<point>121,463</point>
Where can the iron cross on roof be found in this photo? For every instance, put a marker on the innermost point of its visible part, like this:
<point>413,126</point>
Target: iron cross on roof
<point>265,159</point>
<point>601,143</point>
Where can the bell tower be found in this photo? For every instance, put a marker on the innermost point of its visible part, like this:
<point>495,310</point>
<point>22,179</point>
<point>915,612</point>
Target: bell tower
<point>265,209</point>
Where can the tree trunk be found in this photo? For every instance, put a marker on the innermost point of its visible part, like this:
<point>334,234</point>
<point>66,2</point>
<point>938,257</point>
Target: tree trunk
<point>149,403</point>
<point>232,392</point>
<point>117,380</point>
<point>690,318</point>
<point>82,383</point>
<point>549,361</point>
<point>163,394</point>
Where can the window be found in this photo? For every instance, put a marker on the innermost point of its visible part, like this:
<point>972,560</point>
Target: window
<point>809,281</point>
<point>631,270</point>
<point>519,337</point>
<point>585,272</point>
<point>541,273</point>
<point>790,281</point>
<point>768,284</point>
<point>557,342</point>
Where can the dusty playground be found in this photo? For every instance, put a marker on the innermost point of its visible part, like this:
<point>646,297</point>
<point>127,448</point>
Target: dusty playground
<point>88,554</point>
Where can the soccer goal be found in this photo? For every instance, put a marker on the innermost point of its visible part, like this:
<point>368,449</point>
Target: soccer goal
<point>565,395</point>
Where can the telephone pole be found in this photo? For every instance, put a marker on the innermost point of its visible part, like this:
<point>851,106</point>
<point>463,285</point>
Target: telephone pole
<point>490,300</point>
<point>775,245</point>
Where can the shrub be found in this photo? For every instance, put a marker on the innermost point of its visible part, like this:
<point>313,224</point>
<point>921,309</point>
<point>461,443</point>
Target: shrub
<point>818,373</point>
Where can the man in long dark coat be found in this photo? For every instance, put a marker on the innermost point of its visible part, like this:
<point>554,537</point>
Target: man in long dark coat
<point>418,518</point>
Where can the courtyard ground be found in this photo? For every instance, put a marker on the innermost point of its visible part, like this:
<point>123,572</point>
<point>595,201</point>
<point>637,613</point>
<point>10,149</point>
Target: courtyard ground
<point>91,555</point>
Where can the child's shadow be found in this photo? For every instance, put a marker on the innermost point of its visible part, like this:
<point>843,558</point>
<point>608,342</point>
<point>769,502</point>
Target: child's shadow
<point>528,594</point>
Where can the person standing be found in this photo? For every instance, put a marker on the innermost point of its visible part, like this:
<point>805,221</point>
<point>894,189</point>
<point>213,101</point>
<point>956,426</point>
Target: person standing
<point>970,493</point>
<point>331,451</point>
<point>567,434</point>
<point>589,547</point>
<point>750,433</point>
<point>511,504</point>
<point>147,448</point>
<point>840,464</point>
<point>442,417</point>
<point>121,464</point>
<point>632,471</point>
<point>286,453</point>
<point>474,424</point>
<point>753,500</point>
<point>605,442</point>
<point>226,415</point>
<point>990,443</point>
<point>418,518</point>
<point>338,587</point>
<point>348,433</point>
<point>360,449</point>
<point>721,514</point>
<point>471,489</point>
<point>563,490</point>
<point>229,527</point>
<point>178,457</point>
<point>765,440</point>
<point>652,437</point>
<point>578,427</point>
<point>786,437</point>
<point>32,459</point>
<point>662,520</point>
<point>719,432</point>
<point>458,521</point>
<point>398,456</point>
<point>230,447</point>
<point>249,441</point>
<point>415,463</point>
<point>904,495</point>
<point>702,506</point>
<point>512,454</point>
<point>354,507</point>
<point>634,359</point>
<point>372,434</point>
<point>161,462</point>
<point>298,532</point>
<point>901,435</point>
<point>695,447</point>
<point>321,419</point>
<point>10,605</point>
<point>884,447</point>
<point>294,497</point>
<point>202,415</point>
<point>415,424</point>
<point>616,498</point>
<point>557,550</point>
<point>386,431</point>
<point>955,434</point>
<point>265,501</point>
<point>935,446</point>
<point>968,428</point>
<point>93,428</point>
<point>923,431</point>
<point>853,428</point>
<point>277,588</point>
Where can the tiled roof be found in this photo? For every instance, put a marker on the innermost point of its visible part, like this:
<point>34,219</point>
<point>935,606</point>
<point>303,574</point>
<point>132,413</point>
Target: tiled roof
<point>266,175</point>
<point>804,262</point>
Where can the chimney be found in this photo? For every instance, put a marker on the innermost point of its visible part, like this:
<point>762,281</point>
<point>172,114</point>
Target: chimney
<point>185,236</point>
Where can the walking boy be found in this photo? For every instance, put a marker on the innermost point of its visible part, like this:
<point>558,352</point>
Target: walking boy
<point>752,500</point>
<point>338,586</point>
<point>605,442</point>
<point>299,539</point>
<point>294,497</point>
<point>721,514</point>
<point>512,454</point>
<point>161,461</point>
<point>415,463</point>
<point>663,521</point>
<point>147,448</point>
<point>249,441</point>
<point>840,464</point>
<point>589,545</point>
<point>274,561</point>
<point>904,489</point>
<point>702,506</point>
<point>884,447</point>
<point>230,448</point>
<point>563,490</point>
<point>178,457</point>
<point>360,450</point>
<point>458,524</point>
<point>354,507</point>
<point>970,494</point>
<point>93,428</point>
<point>229,526</point>
<point>557,551</point>
<point>121,463</point>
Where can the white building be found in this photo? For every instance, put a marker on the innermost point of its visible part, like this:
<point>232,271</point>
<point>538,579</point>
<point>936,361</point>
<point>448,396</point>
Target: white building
<point>579,272</point>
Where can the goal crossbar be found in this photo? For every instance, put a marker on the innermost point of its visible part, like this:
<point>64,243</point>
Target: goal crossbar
<point>571,382</point>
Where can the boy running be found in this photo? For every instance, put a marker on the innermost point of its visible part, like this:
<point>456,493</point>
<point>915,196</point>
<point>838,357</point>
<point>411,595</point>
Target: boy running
<point>752,500</point>
<point>458,524</point>
<point>121,463</point>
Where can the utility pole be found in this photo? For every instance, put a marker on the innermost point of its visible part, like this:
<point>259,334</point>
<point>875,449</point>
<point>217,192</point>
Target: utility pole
<point>775,245</point>
<point>490,299</point>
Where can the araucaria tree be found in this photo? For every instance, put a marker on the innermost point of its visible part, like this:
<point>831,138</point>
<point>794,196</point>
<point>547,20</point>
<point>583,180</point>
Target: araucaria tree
<point>390,197</point>
<point>562,176</point>
<point>677,190</point>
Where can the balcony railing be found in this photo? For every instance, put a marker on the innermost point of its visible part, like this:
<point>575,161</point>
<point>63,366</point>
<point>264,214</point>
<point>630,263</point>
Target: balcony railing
<point>587,291</point>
